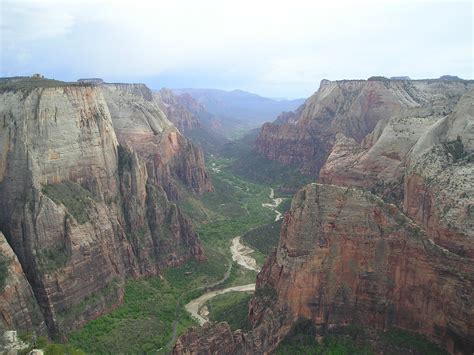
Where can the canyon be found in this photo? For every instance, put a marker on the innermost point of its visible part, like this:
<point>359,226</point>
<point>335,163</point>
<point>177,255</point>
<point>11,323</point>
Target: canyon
<point>384,239</point>
<point>102,183</point>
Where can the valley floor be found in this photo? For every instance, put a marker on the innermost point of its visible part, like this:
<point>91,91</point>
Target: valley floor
<point>157,310</point>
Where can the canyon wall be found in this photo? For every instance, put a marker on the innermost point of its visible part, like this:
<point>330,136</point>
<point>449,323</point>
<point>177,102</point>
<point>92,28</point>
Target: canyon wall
<point>347,258</point>
<point>350,107</point>
<point>85,195</point>
<point>140,124</point>
<point>390,247</point>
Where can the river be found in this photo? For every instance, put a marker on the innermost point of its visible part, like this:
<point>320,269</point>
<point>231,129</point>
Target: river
<point>241,255</point>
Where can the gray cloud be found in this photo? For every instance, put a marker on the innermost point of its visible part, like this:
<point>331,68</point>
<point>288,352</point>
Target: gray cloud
<point>277,48</point>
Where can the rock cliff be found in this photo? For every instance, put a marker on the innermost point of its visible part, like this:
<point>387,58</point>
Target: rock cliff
<point>346,258</point>
<point>81,212</point>
<point>18,307</point>
<point>140,124</point>
<point>439,179</point>
<point>182,109</point>
<point>422,161</point>
<point>352,108</point>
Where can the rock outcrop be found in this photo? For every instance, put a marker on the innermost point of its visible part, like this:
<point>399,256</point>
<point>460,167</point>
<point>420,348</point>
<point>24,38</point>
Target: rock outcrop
<point>346,257</point>
<point>140,124</point>
<point>83,212</point>
<point>18,307</point>
<point>353,108</point>
<point>182,109</point>
<point>422,162</point>
<point>439,180</point>
<point>392,245</point>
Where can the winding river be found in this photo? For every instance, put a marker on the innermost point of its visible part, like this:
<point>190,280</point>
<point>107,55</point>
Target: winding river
<point>241,255</point>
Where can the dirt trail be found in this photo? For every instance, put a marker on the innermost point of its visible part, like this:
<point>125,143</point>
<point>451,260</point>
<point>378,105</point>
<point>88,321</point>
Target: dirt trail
<point>240,254</point>
<point>273,206</point>
<point>195,305</point>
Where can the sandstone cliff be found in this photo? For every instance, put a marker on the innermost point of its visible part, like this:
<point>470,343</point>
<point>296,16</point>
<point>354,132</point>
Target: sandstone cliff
<point>193,120</point>
<point>18,307</point>
<point>439,180</point>
<point>182,110</point>
<point>423,162</point>
<point>141,124</point>
<point>82,212</point>
<point>352,108</point>
<point>346,257</point>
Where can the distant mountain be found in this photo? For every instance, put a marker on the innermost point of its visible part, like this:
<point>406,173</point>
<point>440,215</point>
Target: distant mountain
<point>241,105</point>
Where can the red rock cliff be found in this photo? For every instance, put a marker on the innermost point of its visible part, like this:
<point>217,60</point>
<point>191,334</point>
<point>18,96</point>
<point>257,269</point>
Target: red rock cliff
<point>349,107</point>
<point>346,257</point>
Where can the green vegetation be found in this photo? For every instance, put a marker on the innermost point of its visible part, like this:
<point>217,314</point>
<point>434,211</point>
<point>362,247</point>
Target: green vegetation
<point>144,323</point>
<point>302,340</point>
<point>53,259</point>
<point>239,276</point>
<point>354,340</point>
<point>48,347</point>
<point>234,207</point>
<point>412,343</point>
<point>456,149</point>
<point>264,238</point>
<point>264,171</point>
<point>141,324</point>
<point>243,162</point>
<point>74,197</point>
<point>231,307</point>
<point>27,84</point>
<point>4,263</point>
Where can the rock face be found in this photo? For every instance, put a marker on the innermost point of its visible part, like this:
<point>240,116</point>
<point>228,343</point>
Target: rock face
<point>141,124</point>
<point>346,257</point>
<point>180,109</point>
<point>194,120</point>
<point>18,307</point>
<point>352,108</point>
<point>422,162</point>
<point>439,180</point>
<point>80,211</point>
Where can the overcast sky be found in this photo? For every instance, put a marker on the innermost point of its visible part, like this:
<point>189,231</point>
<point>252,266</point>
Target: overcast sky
<point>274,48</point>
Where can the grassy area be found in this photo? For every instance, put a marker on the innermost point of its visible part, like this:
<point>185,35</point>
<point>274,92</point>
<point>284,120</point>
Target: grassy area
<point>234,207</point>
<point>355,340</point>
<point>48,347</point>
<point>231,307</point>
<point>301,340</point>
<point>409,343</point>
<point>74,197</point>
<point>286,179</point>
<point>263,238</point>
<point>239,276</point>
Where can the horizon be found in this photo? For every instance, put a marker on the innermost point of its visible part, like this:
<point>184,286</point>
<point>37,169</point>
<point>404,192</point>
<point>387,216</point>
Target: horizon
<point>283,53</point>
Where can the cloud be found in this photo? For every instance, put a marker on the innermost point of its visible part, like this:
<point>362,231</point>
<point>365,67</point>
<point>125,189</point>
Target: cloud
<point>281,48</point>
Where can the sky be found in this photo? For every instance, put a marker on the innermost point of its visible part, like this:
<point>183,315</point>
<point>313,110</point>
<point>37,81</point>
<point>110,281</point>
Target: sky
<point>273,48</point>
